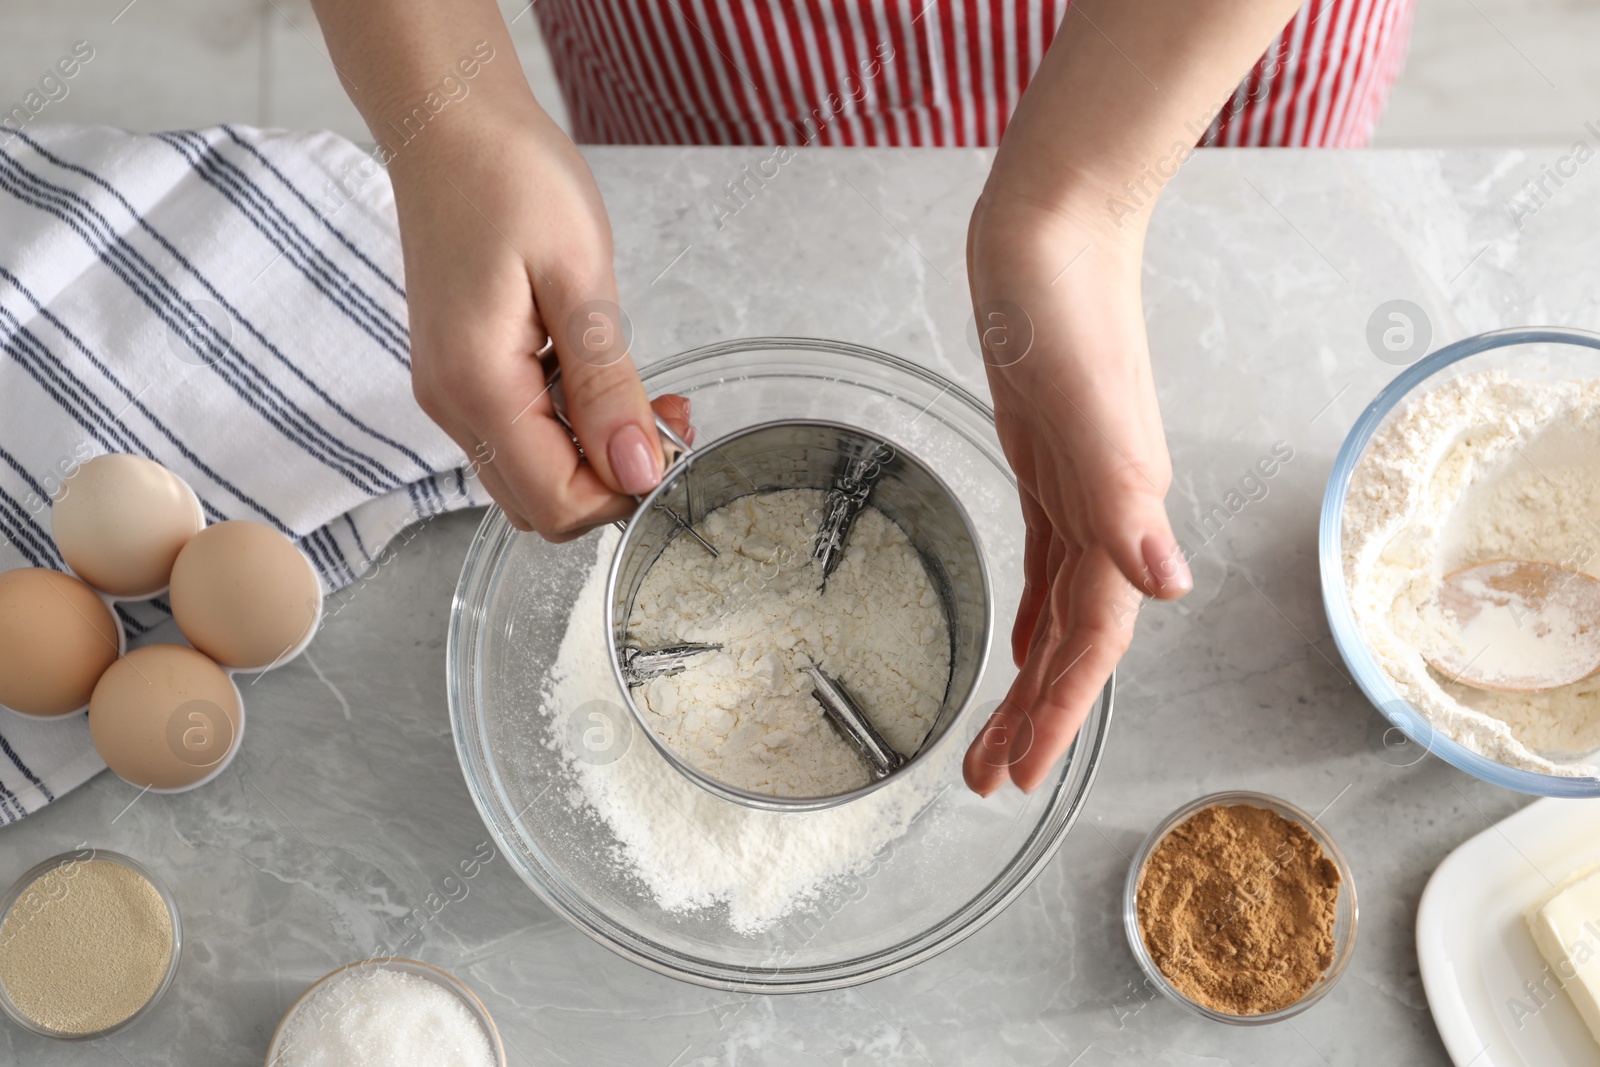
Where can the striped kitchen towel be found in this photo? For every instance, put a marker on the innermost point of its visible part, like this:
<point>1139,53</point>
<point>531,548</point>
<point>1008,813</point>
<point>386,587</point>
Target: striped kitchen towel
<point>228,302</point>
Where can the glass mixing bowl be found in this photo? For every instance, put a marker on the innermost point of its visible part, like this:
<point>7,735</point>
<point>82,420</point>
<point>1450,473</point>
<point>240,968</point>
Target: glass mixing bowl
<point>962,860</point>
<point>1541,354</point>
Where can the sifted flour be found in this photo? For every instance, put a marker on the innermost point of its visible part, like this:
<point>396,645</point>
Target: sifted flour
<point>1484,467</point>
<point>746,715</point>
<point>691,849</point>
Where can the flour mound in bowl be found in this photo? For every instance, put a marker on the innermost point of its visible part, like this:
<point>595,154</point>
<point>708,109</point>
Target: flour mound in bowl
<point>1486,466</point>
<point>690,849</point>
<point>745,715</point>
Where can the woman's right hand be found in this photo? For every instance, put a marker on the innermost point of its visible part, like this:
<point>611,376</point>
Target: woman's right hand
<point>507,243</point>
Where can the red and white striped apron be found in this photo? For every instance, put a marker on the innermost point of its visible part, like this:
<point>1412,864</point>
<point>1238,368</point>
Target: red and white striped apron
<point>917,72</point>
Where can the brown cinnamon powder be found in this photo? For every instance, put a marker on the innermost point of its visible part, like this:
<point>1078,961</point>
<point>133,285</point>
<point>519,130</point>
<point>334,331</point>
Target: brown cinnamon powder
<point>1237,908</point>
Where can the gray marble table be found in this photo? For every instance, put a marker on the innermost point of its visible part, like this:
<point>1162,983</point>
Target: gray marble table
<point>346,807</point>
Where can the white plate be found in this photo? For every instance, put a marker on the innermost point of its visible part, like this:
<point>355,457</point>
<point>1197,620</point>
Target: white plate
<point>1475,951</point>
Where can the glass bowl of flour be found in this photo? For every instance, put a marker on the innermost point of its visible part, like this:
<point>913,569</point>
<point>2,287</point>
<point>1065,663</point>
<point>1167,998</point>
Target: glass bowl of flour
<point>619,842</point>
<point>1487,449</point>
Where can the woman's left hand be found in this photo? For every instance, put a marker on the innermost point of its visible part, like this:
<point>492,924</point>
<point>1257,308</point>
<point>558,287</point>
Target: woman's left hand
<point>1056,295</point>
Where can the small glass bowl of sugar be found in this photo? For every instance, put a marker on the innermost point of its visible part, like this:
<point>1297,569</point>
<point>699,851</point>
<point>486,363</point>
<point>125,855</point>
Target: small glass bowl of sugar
<point>387,1012</point>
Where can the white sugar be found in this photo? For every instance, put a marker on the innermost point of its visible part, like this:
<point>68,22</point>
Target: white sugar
<point>370,1017</point>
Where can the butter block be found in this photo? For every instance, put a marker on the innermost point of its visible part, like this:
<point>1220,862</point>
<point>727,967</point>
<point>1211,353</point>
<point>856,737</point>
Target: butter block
<point>1566,927</point>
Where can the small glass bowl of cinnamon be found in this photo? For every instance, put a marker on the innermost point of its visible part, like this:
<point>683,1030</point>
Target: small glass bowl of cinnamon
<point>1241,908</point>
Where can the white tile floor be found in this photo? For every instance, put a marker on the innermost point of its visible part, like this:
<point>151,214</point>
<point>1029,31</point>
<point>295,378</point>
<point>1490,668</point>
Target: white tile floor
<point>1480,72</point>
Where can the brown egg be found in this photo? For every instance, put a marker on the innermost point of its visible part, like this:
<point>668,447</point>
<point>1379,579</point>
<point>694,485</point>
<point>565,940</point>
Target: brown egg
<point>56,639</point>
<point>243,594</point>
<point>120,522</point>
<point>165,716</point>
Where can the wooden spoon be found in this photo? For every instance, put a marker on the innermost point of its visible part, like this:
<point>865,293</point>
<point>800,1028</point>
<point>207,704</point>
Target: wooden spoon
<point>1516,626</point>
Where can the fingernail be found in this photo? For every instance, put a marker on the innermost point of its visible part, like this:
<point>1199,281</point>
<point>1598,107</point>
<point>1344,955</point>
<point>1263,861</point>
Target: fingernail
<point>688,438</point>
<point>633,460</point>
<point>1167,567</point>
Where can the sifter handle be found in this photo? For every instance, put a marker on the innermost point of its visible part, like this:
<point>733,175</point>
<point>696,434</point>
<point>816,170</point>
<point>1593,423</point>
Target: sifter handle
<point>675,447</point>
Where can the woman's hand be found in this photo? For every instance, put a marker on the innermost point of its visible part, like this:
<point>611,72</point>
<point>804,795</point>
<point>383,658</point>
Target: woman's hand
<point>1056,294</point>
<point>506,245</point>
<point>507,242</point>
<point>1054,271</point>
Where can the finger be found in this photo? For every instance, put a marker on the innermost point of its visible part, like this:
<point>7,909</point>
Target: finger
<point>985,768</point>
<point>505,404</point>
<point>674,410</point>
<point>1128,514</point>
<point>1122,462</point>
<point>1009,735</point>
<point>438,403</point>
<point>605,400</point>
<point>1034,585</point>
<point>1075,668</point>
<point>498,488</point>
<point>481,465</point>
<point>1009,732</point>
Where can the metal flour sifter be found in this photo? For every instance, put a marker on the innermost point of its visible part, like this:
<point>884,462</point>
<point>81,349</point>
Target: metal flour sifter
<point>855,468</point>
